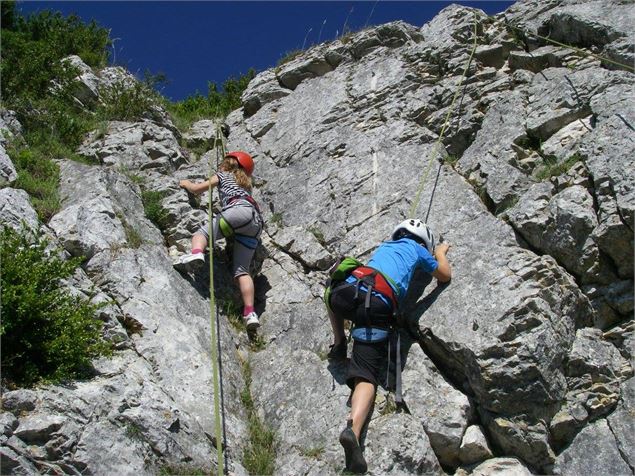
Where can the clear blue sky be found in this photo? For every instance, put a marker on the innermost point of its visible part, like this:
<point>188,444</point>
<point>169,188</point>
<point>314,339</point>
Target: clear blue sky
<point>193,43</point>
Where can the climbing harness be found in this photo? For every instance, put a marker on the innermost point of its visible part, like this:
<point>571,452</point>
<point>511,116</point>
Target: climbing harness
<point>415,203</point>
<point>374,284</point>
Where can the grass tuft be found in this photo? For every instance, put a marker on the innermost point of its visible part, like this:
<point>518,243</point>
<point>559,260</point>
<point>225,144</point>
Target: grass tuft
<point>260,455</point>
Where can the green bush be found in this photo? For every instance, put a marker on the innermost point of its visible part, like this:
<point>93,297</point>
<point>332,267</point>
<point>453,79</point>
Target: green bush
<point>39,177</point>
<point>153,209</point>
<point>218,103</point>
<point>32,48</point>
<point>47,334</point>
<point>130,101</point>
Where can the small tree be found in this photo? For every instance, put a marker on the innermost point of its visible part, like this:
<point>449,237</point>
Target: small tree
<point>47,334</point>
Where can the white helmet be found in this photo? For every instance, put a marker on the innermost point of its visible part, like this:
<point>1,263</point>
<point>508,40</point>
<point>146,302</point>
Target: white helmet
<point>418,229</point>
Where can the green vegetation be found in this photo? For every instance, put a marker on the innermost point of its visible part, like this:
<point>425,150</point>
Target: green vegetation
<point>276,219</point>
<point>130,100</point>
<point>317,233</point>
<point>450,160</point>
<point>553,168</point>
<point>133,238</point>
<point>39,178</point>
<point>134,432</point>
<point>260,455</point>
<point>153,208</point>
<point>183,470</point>
<point>315,452</point>
<point>41,88</point>
<point>47,334</point>
<point>288,57</point>
<point>217,103</point>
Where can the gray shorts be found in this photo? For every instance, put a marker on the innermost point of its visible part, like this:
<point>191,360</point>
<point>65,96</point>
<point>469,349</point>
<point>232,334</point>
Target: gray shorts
<point>247,225</point>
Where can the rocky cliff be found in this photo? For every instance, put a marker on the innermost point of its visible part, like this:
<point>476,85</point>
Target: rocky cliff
<point>523,364</point>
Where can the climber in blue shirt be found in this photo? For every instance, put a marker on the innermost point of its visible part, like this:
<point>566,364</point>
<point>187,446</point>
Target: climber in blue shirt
<point>369,297</point>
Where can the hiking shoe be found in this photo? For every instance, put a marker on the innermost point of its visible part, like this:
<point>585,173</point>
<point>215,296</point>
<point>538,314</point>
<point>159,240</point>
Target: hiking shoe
<point>189,262</point>
<point>355,462</point>
<point>338,351</point>
<point>251,321</point>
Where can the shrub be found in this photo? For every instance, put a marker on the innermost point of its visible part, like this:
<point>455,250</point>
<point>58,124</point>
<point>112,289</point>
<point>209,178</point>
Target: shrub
<point>153,209</point>
<point>33,47</point>
<point>39,177</point>
<point>130,100</point>
<point>553,168</point>
<point>47,334</point>
<point>218,103</point>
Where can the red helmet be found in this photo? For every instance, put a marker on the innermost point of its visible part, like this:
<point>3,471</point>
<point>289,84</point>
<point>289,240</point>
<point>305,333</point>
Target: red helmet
<point>244,160</point>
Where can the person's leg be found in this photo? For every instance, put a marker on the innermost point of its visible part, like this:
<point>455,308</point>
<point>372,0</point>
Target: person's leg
<point>199,243</point>
<point>244,249</point>
<point>337,325</point>
<point>246,286</point>
<point>361,403</point>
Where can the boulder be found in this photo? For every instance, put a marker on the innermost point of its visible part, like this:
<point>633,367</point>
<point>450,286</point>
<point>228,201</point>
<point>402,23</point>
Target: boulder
<point>16,210</point>
<point>593,451</point>
<point>474,447</point>
<point>8,174</point>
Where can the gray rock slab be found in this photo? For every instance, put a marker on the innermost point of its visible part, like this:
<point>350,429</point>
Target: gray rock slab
<point>8,174</point>
<point>10,127</point>
<point>102,209</point>
<point>16,210</point>
<point>474,446</point>
<point>443,410</point>
<point>412,455</point>
<point>285,384</point>
<point>501,467</point>
<point>36,428</point>
<point>593,451</point>
<point>622,423</point>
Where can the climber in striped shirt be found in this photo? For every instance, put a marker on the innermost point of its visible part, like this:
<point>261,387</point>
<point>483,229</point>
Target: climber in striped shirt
<point>239,218</point>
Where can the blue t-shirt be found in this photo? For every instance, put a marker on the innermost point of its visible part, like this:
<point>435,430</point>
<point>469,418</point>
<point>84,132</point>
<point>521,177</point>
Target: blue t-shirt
<point>399,259</point>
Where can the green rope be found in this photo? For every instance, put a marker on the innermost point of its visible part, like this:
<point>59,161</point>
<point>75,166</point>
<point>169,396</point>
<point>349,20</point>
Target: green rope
<point>578,50</point>
<point>214,338</point>
<point>415,203</point>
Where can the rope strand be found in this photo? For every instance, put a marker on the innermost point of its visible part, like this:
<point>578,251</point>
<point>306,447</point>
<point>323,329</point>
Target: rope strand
<point>415,203</point>
<point>214,337</point>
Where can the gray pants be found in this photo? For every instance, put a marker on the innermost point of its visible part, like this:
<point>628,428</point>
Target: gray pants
<point>247,225</point>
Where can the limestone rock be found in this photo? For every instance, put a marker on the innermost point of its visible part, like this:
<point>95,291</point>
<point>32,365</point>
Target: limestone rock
<point>474,447</point>
<point>305,245</point>
<point>443,410</point>
<point>8,173</point>
<point>134,146</point>
<point>412,455</point>
<point>263,89</point>
<point>86,86</point>
<point>16,210</point>
<point>622,423</point>
<point>10,127</point>
<point>18,401</point>
<point>593,451</point>
<point>502,467</point>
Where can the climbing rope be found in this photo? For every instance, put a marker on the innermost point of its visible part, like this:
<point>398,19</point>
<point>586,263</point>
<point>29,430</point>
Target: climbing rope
<point>415,203</point>
<point>577,50</point>
<point>221,152</point>
<point>215,337</point>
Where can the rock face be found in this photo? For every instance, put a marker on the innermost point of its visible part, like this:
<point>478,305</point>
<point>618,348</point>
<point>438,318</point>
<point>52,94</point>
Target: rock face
<point>523,364</point>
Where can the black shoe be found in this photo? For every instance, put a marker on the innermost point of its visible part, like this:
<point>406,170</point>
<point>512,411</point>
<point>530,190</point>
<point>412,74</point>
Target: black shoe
<point>355,462</point>
<point>337,352</point>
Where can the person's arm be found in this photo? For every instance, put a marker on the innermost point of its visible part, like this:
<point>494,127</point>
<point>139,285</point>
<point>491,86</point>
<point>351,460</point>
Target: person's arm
<point>443,273</point>
<point>198,188</point>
